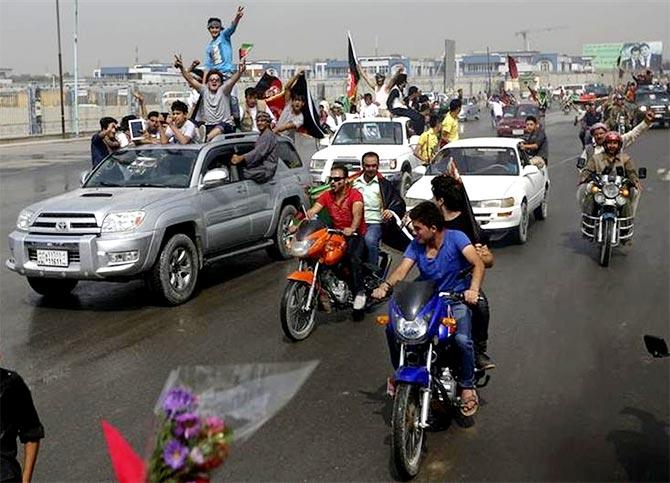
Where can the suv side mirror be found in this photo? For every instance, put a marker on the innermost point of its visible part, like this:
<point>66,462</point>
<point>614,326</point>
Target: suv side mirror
<point>83,176</point>
<point>420,170</point>
<point>215,177</point>
<point>581,162</point>
<point>642,173</point>
<point>414,140</point>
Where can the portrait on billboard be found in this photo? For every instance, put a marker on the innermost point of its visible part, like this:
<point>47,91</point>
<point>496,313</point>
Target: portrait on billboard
<point>637,56</point>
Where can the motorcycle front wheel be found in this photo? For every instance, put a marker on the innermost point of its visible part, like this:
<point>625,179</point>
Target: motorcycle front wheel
<point>606,246</point>
<point>408,437</point>
<point>296,321</point>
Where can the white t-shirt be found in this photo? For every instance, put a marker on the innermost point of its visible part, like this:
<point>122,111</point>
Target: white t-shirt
<point>497,107</point>
<point>122,139</point>
<point>188,129</point>
<point>381,94</point>
<point>334,121</point>
<point>252,112</point>
<point>287,116</point>
<point>369,111</point>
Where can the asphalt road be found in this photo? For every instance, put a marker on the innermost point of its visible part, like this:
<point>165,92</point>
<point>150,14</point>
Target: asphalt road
<point>575,397</point>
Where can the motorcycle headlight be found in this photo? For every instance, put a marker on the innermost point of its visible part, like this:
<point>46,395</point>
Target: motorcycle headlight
<point>643,108</point>
<point>413,329</point>
<point>611,190</point>
<point>388,164</point>
<point>25,219</point>
<point>299,248</point>
<point>599,198</point>
<point>621,200</point>
<point>122,221</point>
<point>317,164</point>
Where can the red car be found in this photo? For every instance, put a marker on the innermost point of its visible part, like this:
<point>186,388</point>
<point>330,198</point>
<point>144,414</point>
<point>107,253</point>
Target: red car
<point>514,119</point>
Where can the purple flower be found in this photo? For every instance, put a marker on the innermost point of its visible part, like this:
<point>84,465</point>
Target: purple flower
<point>177,401</point>
<point>188,425</point>
<point>174,454</point>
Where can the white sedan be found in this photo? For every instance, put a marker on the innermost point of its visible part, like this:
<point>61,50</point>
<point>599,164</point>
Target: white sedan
<point>503,187</point>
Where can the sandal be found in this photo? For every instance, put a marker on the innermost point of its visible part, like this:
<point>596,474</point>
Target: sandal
<point>469,405</point>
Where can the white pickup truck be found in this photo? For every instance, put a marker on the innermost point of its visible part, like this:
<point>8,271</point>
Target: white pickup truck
<point>389,138</point>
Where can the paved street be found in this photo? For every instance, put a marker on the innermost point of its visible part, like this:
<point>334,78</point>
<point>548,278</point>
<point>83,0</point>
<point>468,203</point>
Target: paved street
<point>575,395</point>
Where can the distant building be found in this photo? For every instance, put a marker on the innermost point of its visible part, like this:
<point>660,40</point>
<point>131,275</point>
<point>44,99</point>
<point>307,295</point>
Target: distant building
<point>527,62</point>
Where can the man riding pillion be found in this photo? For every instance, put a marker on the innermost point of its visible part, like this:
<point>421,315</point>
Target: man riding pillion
<point>599,130</point>
<point>442,256</point>
<point>345,208</point>
<point>608,160</point>
<point>381,200</point>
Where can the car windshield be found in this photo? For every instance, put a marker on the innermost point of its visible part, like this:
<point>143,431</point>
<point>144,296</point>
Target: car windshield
<point>152,168</point>
<point>369,133</point>
<point>527,110</point>
<point>651,98</point>
<point>482,161</point>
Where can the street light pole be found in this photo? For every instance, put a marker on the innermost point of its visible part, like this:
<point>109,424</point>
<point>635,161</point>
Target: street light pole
<point>60,71</point>
<point>76,70</point>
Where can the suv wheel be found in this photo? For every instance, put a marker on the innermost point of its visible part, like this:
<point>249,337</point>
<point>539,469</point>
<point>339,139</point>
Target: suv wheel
<point>175,273</point>
<point>280,249</point>
<point>405,183</point>
<point>52,287</point>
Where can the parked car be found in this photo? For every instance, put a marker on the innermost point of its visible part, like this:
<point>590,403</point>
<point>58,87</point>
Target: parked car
<point>658,102</point>
<point>503,187</point>
<point>513,121</point>
<point>160,213</point>
<point>391,139</point>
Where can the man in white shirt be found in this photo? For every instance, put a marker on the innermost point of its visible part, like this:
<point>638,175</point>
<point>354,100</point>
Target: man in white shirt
<point>496,106</point>
<point>368,108</point>
<point>250,108</point>
<point>180,130</point>
<point>336,116</point>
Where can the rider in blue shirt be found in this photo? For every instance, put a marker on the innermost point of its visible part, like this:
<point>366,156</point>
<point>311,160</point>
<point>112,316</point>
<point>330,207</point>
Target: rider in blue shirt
<point>442,255</point>
<point>219,51</point>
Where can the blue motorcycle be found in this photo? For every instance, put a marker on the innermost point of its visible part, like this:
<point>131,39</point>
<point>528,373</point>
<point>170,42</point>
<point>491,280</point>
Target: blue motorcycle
<point>420,328</point>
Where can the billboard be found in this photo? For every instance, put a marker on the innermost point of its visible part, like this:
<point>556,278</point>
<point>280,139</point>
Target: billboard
<point>634,55</point>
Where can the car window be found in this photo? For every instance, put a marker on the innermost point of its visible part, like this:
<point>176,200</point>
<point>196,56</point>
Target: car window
<point>220,158</point>
<point>369,133</point>
<point>289,156</point>
<point>477,161</point>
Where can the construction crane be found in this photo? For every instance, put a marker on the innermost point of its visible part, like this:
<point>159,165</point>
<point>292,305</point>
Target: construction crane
<point>524,33</point>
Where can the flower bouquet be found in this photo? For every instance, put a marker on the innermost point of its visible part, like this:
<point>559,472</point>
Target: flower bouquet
<point>200,413</point>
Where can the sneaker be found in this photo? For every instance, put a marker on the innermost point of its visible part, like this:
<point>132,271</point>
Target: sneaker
<point>359,301</point>
<point>483,361</point>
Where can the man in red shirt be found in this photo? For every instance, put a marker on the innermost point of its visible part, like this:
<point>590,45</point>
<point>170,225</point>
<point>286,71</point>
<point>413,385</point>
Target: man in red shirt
<point>345,208</point>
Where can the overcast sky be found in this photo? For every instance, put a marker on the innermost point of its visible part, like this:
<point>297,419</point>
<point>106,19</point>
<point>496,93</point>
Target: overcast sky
<point>305,30</point>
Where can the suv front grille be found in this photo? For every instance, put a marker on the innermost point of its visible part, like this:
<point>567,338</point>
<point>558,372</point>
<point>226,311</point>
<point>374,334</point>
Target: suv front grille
<point>65,224</point>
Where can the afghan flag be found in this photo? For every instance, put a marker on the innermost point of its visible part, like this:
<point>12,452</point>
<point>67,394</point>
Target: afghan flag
<point>513,71</point>
<point>354,76</point>
<point>271,85</point>
<point>244,50</point>
<point>310,111</point>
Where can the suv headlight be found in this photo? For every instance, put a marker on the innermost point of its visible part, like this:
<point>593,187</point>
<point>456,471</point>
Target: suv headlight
<point>317,164</point>
<point>413,329</point>
<point>503,203</point>
<point>388,164</point>
<point>25,219</point>
<point>122,221</point>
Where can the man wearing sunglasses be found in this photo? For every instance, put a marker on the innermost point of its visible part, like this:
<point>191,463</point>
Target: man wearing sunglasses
<point>345,208</point>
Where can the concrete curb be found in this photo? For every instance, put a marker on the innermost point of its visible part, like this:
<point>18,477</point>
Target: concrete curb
<point>18,142</point>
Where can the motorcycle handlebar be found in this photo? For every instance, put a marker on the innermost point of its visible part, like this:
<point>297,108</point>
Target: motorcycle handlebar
<point>460,297</point>
<point>340,232</point>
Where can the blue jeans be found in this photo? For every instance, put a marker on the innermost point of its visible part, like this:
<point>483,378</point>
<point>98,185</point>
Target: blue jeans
<point>463,340</point>
<point>372,237</point>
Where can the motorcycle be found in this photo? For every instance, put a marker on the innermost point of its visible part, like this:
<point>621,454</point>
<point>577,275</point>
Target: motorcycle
<point>567,104</point>
<point>420,330</point>
<point>322,281</point>
<point>607,227</point>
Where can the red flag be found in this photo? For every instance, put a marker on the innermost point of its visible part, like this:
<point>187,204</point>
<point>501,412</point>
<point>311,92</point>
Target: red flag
<point>513,71</point>
<point>354,75</point>
<point>271,85</point>
<point>128,466</point>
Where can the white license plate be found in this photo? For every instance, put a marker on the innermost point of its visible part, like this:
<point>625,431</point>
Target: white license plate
<point>52,258</point>
<point>517,132</point>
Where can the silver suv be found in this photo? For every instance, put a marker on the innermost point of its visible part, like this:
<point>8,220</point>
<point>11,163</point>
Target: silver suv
<point>159,212</point>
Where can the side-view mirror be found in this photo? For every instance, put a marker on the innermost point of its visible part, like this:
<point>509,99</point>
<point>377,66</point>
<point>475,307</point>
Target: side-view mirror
<point>420,170</point>
<point>83,176</point>
<point>414,140</point>
<point>656,346</point>
<point>324,141</point>
<point>215,177</point>
<point>530,169</point>
<point>642,173</point>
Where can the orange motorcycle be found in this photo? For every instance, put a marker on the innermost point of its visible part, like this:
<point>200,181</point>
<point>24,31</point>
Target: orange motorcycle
<point>323,279</point>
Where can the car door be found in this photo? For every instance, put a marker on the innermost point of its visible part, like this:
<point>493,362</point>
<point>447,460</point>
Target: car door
<point>533,182</point>
<point>226,208</point>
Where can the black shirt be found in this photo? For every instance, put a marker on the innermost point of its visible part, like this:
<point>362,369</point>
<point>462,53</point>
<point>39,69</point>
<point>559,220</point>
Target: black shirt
<point>465,224</point>
<point>99,150</point>
<point>537,137</point>
<point>18,418</point>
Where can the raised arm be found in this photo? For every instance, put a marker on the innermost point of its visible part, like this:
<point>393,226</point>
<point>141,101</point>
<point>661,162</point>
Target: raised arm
<point>140,101</point>
<point>179,64</point>
<point>365,77</point>
<point>390,82</point>
<point>291,82</point>
<point>228,86</point>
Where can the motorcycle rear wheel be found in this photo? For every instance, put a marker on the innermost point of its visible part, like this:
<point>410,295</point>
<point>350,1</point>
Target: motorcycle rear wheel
<point>296,322</point>
<point>407,440</point>
<point>606,247</point>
